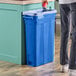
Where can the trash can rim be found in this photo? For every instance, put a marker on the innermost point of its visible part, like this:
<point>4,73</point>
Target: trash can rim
<point>38,12</point>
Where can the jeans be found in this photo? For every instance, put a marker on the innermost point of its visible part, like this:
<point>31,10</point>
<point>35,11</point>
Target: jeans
<point>65,11</point>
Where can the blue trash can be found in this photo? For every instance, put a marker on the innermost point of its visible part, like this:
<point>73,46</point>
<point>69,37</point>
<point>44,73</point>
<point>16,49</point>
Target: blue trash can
<point>40,33</point>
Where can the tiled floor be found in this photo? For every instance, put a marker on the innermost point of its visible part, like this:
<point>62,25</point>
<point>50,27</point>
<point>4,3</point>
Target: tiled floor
<point>51,69</point>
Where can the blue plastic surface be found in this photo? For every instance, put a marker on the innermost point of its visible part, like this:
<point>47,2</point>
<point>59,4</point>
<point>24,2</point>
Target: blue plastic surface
<point>39,31</point>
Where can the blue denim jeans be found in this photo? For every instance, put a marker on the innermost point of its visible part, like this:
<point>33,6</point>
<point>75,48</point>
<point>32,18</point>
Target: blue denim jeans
<point>65,11</point>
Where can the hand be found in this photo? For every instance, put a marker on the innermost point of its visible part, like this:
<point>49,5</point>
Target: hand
<point>44,4</point>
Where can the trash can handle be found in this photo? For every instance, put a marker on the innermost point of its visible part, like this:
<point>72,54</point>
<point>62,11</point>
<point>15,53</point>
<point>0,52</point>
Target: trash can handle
<point>29,17</point>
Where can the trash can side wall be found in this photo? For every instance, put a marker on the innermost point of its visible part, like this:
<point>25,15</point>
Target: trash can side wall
<point>39,42</point>
<point>30,29</point>
<point>49,38</point>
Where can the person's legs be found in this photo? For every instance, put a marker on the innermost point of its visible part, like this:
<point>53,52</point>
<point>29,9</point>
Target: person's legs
<point>72,63</point>
<point>64,11</point>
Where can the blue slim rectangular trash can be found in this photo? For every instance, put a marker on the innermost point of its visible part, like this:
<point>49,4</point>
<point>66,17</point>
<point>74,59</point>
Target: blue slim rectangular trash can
<point>39,30</point>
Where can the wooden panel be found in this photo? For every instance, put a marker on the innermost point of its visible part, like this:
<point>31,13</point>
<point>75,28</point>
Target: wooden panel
<point>10,36</point>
